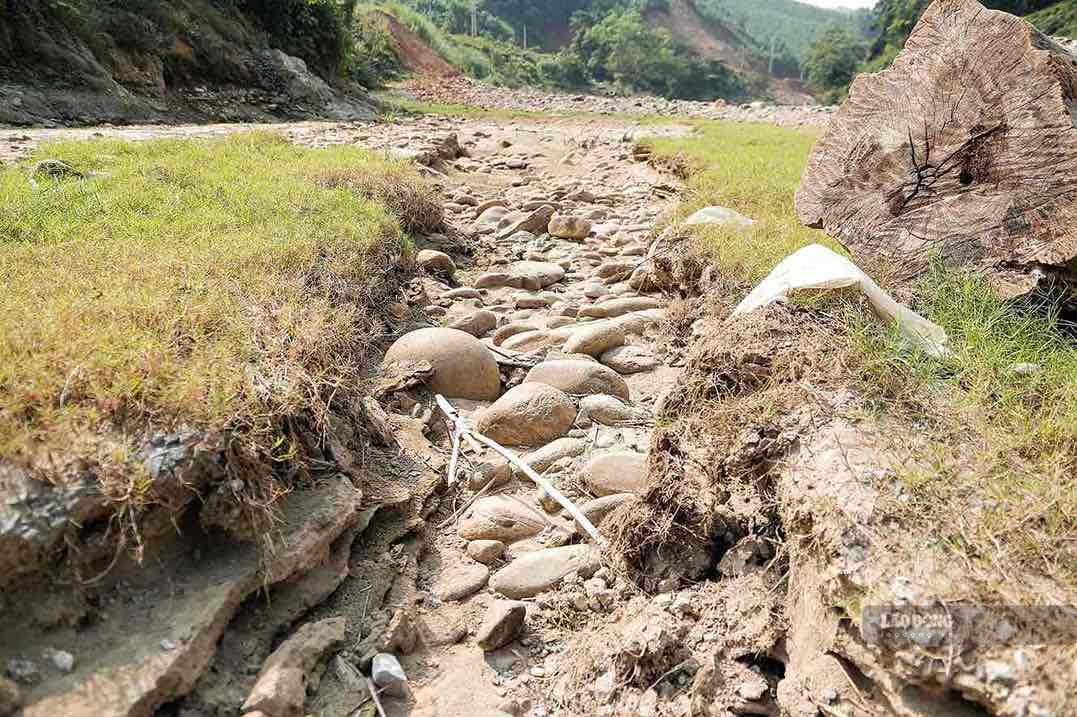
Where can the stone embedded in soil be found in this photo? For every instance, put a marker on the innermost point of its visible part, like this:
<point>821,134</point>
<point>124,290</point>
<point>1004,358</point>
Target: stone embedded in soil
<point>500,518</point>
<point>464,292</point>
<point>436,262</point>
<point>636,322</point>
<point>461,581</point>
<point>23,671</point>
<point>542,458</point>
<point>281,687</point>
<point>512,329</point>
<point>499,472</point>
<point>594,340</point>
<point>503,622</point>
<point>539,571</point>
<point>596,510</point>
<point>576,377</point>
<point>528,415</point>
<point>629,359</point>
<point>569,227</point>
<point>463,366</point>
<point>386,672</point>
<point>527,341</point>
<point>477,323</point>
<point>485,551</point>
<point>607,410</point>
<point>720,216</point>
<point>629,304</point>
<point>620,472</point>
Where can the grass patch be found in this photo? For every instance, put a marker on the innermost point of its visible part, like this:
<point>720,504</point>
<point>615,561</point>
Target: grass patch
<point>224,285</point>
<point>999,485</point>
<point>754,169</point>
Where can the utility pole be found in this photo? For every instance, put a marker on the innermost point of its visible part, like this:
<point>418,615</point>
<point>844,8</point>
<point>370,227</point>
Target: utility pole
<point>475,19</point>
<point>525,37</point>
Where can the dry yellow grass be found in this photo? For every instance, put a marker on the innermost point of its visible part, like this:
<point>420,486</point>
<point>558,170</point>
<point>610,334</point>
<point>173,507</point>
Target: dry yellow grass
<point>211,284</point>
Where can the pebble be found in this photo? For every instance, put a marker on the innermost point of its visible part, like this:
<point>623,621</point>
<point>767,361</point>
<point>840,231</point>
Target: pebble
<point>387,674</point>
<point>61,660</point>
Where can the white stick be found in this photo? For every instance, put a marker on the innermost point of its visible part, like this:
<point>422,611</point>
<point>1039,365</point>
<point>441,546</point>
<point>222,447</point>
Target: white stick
<point>374,696</point>
<point>471,435</point>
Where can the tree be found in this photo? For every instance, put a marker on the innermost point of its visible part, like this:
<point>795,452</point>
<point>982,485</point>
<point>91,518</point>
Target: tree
<point>832,61</point>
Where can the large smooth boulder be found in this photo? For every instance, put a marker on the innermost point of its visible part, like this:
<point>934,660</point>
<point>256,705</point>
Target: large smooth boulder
<point>608,410</point>
<point>528,415</point>
<point>620,472</point>
<point>629,359</point>
<point>500,518</point>
<point>580,377</point>
<point>463,366</point>
<point>541,570</point>
<point>594,340</point>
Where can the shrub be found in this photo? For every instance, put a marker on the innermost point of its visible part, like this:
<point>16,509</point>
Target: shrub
<point>832,62</point>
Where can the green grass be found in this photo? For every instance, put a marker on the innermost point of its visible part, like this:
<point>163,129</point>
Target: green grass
<point>223,285</point>
<point>1000,486</point>
<point>754,169</point>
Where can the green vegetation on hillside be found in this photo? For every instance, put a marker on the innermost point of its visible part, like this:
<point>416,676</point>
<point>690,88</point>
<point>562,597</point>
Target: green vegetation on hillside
<point>996,481</point>
<point>622,48</point>
<point>76,40</point>
<point>832,63</point>
<point>612,43</point>
<point>783,24</point>
<point>226,285</point>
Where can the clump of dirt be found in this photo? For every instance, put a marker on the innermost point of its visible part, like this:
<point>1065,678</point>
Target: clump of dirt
<point>721,429</point>
<point>768,460</point>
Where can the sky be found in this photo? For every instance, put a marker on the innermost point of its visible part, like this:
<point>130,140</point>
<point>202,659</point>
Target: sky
<point>840,3</point>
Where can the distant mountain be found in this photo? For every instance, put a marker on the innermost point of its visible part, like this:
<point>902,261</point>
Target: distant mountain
<point>792,24</point>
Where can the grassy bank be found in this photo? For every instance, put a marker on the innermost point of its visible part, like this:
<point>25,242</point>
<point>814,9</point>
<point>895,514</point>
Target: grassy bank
<point>755,169</point>
<point>999,484</point>
<point>221,285</point>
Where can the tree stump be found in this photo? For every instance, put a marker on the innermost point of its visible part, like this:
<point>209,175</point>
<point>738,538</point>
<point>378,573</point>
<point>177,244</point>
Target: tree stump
<point>964,150</point>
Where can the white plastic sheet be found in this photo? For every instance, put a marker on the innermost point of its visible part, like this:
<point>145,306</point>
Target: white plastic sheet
<point>816,267</point>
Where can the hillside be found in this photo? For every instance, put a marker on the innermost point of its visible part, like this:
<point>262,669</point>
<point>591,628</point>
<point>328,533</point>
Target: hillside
<point>186,60</point>
<point>780,23</point>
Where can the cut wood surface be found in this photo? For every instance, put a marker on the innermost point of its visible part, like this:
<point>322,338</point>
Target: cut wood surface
<point>964,149</point>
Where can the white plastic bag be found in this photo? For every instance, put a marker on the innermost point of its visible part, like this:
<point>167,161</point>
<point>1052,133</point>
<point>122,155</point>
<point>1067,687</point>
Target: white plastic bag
<point>816,267</point>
